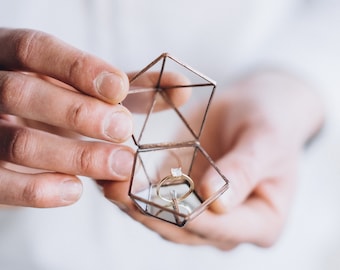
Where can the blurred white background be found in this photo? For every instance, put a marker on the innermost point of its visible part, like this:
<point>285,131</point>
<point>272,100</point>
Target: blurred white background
<point>94,232</point>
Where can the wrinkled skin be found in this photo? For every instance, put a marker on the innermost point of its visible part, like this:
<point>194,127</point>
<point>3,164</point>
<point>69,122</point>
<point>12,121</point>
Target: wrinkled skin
<point>52,95</point>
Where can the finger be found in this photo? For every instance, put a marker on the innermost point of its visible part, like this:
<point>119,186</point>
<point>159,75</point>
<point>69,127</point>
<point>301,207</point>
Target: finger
<point>252,222</point>
<point>36,99</point>
<point>242,180</point>
<point>38,190</point>
<point>259,220</point>
<point>38,149</point>
<point>144,89</point>
<point>42,53</point>
<point>249,162</point>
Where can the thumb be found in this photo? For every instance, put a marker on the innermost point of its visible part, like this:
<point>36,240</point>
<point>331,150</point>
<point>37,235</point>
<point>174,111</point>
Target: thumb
<point>241,172</point>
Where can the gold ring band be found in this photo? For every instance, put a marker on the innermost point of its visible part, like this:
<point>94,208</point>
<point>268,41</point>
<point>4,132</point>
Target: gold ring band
<point>177,179</point>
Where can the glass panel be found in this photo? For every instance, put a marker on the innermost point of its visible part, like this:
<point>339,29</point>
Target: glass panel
<point>168,180</point>
<point>162,97</point>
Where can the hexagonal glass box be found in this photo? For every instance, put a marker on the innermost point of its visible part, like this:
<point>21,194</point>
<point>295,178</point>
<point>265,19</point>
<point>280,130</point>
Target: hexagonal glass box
<point>170,161</point>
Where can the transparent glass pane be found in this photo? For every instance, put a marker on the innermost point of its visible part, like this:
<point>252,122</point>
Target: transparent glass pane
<point>169,180</point>
<point>162,98</point>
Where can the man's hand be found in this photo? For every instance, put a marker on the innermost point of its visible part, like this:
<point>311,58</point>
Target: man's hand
<point>47,86</point>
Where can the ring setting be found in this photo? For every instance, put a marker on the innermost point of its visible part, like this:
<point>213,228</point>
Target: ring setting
<point>176,177</point>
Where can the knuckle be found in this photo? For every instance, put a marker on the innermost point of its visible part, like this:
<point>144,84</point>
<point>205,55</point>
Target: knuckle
<point>13,89</point>
<point>33,194</point>
<point>83,160</point>
<point>27,42</point>
<point>75,115</point>
<point>19,145</point>
<point>78,64</point>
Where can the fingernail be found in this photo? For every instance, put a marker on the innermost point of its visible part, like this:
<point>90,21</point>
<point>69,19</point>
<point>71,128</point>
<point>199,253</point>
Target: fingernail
<point>118,126</point>
<point>227,199</point>
<point>70,190</point>
<point>122,162</point>
<point>111,86</point>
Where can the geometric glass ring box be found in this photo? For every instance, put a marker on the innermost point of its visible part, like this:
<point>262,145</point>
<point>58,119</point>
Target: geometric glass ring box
<point>169,159</point>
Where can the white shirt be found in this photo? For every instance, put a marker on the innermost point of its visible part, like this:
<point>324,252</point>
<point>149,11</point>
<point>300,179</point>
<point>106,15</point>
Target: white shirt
<point>222,39</point>
<point>217,37</point>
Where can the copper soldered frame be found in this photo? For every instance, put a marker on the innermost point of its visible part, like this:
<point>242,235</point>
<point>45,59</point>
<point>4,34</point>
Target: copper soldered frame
<point>192,145</point>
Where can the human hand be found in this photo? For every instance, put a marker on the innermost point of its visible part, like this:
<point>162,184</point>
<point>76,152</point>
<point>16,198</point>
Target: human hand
<point>255,132</point>
<point>47,86</point>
